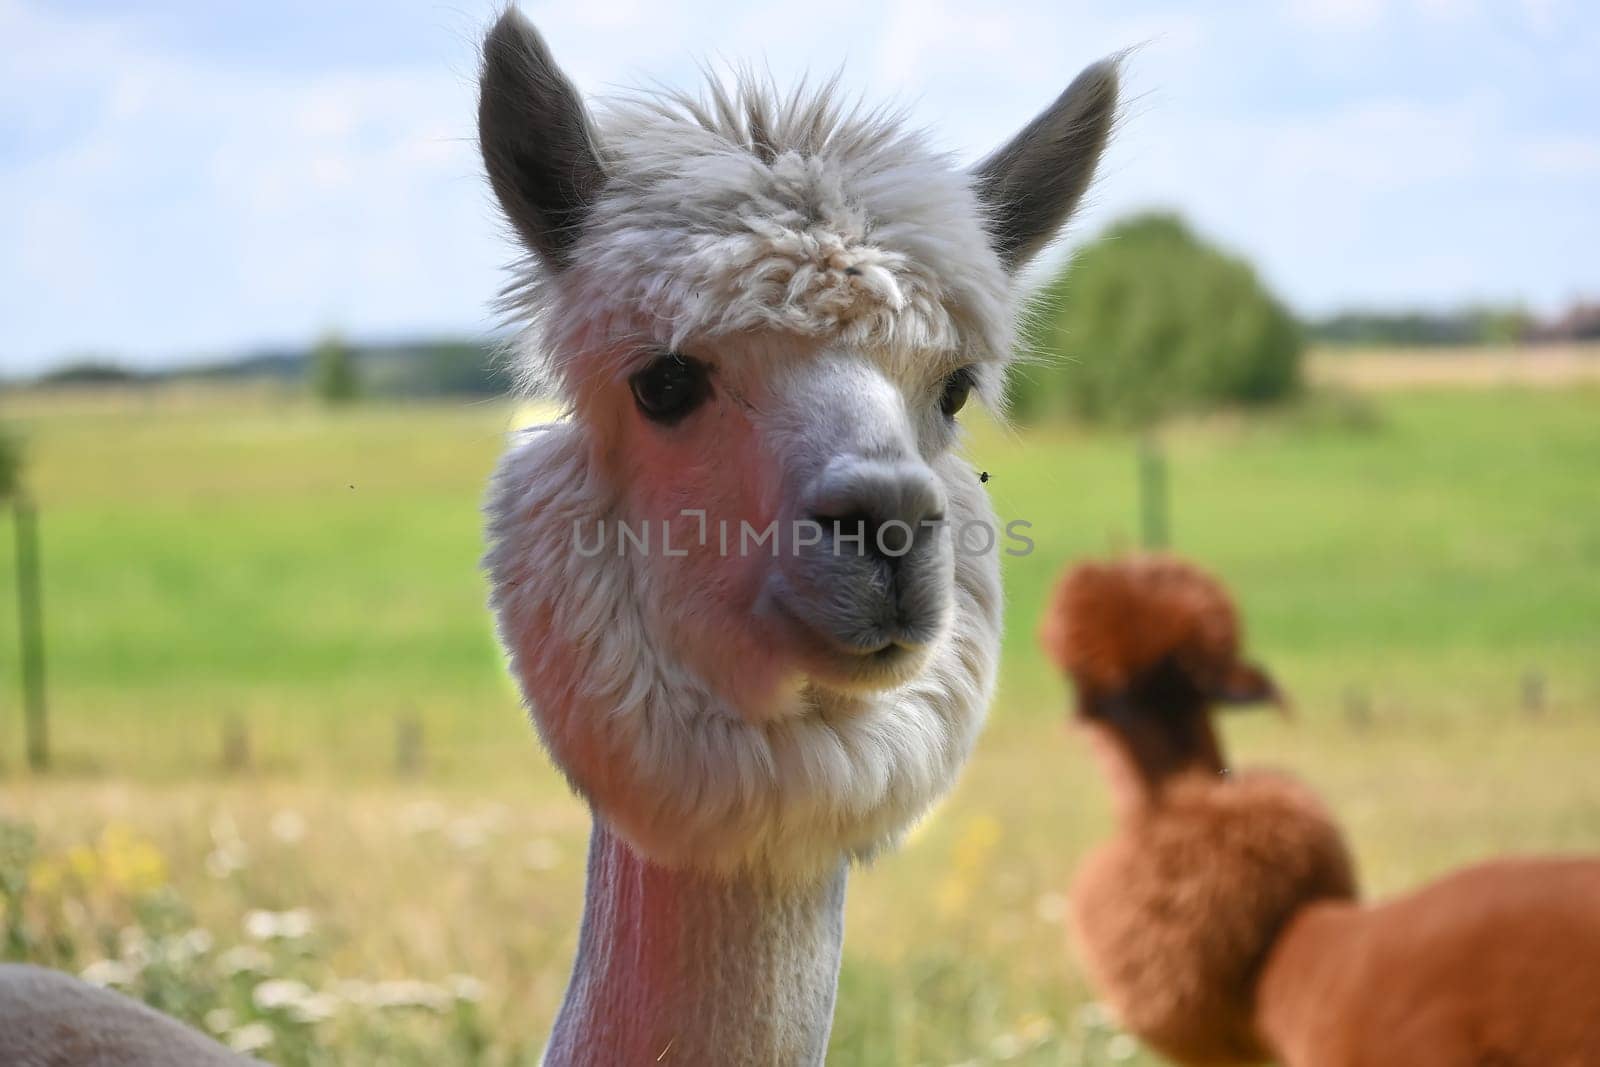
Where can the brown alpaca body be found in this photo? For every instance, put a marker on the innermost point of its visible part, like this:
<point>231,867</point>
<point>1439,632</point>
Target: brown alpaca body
<point>1493,966</point>
<point>1220,923</point>
<point>1175,914</point>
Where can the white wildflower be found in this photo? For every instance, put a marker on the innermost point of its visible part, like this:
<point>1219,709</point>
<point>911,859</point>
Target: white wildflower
<point>1006,1047</point>
<point>133,946</point>
<point>219,1020</point>
<point>316,1008</point>
<point>409,993</point>
<point>196,942</point>
<point>291,925</point>
<point>295,924</point>
<point>1051,907</point>
<point>288,826</point>
<point>228,853</point>
<point>1093,1015</point>
<point>251,1037</point>
<point>226,860</point>
<point>108,973</point>
<point>261,925</point>
<point>464,987</point>
<point>1122,1047</point>
<point>276,994</point>
<point>467,834</point>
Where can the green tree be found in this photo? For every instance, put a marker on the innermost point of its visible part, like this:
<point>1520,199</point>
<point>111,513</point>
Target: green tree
<point>1149,320</point>
<point>334,378</point>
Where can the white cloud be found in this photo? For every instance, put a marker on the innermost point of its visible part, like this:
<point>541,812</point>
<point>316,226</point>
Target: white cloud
<point>194,206</point>
<point>1339,14</point>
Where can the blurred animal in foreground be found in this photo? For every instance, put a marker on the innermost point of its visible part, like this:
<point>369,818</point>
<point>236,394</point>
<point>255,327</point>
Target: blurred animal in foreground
<point>1221,922</point>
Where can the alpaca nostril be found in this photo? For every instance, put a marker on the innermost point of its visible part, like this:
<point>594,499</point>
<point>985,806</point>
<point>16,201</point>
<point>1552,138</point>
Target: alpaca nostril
<point>861,534</point>
<point>849,522</point>
<point>880,508</point>
<point>853,532</point>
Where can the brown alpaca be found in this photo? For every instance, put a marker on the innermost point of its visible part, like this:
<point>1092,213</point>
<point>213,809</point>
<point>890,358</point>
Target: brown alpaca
<point>1221,922</point>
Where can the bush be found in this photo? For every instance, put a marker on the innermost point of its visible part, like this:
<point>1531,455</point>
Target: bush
<point>1149,320</point>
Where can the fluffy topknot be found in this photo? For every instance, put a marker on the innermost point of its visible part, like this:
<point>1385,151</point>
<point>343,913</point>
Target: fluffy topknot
<point>1112,622</point>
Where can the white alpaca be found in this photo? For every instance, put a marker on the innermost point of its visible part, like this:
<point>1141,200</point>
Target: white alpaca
<point>744,585</point>
<point>762,315</point>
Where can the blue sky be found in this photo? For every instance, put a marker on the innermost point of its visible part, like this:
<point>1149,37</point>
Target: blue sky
<point>187,179</point>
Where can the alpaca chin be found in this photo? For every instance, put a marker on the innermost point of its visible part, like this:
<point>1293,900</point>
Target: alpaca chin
<point>687,778</point>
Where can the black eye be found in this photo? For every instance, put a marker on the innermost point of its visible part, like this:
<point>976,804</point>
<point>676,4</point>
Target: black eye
<point>956,388</point>
<point>671,387</point>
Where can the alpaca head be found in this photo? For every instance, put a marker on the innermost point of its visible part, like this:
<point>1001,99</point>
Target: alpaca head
<point>1152,645</point>
<point>744,583</point>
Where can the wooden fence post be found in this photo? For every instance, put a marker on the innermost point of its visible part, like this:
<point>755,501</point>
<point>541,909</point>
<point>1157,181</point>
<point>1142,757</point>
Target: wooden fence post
<point>1357,707</point>
<point>408,746</point>
<point>30,618</point>
<point>1152,491</point>
<point>235,744</point>
<point>1533,693</point>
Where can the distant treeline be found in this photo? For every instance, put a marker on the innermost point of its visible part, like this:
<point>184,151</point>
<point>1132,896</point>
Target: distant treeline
<point>440,367</point>
<point>1179,315</point>
<point>1473,325</point>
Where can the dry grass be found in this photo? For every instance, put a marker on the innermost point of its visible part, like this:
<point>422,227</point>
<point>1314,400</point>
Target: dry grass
<point>1382,369</point>
<point>314,576</point>
<point>955,950</point>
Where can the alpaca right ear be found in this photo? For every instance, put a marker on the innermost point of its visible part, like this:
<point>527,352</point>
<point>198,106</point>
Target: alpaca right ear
<point>537,142</point>
<point>1032,185</point>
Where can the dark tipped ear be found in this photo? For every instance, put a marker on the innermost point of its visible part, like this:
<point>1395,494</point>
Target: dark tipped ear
<point>537,142</point>
<point>1033,184</point>
<point>1248,684</point>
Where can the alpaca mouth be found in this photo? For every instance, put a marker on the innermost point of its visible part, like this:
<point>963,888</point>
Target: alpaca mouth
<point>879,659</point>
<point>880,668</point>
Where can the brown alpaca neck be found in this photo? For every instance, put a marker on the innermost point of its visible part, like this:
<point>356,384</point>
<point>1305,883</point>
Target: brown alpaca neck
<point>1141,754</point>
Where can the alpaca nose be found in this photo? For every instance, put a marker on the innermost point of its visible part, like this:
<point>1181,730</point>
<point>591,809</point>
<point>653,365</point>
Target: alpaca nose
<point>878,508</point>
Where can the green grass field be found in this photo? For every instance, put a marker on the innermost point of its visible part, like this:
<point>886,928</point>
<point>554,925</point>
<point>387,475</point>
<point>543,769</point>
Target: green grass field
<point>313,576</point>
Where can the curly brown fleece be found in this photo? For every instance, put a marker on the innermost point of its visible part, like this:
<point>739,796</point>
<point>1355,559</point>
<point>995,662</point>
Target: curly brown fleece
<point>1175,914</point>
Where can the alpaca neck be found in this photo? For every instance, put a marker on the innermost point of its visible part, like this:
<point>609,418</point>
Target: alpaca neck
<point>1179,913</point>
<point>1139,756</point>
<point>683,967</point>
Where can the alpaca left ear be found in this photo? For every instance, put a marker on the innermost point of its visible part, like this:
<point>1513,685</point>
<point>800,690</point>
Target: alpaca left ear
<point>1033,184</point>
<point>537,142</point>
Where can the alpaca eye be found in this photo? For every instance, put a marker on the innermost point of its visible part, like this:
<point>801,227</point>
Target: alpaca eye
<point>670,388</point>
<point>956,388</point>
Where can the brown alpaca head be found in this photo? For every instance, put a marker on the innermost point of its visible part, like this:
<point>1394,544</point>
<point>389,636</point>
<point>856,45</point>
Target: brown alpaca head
<point>1151,644</point>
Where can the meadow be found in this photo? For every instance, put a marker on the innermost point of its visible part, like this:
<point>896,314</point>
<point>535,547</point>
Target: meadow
<point>1419,566</point>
